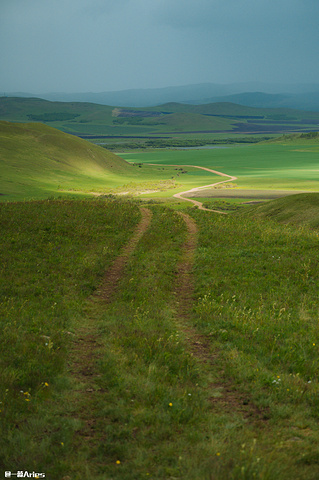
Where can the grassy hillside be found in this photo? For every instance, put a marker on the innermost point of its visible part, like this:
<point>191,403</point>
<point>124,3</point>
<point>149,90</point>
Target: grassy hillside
<point>23,109</point>
<point>300,209</point>
<point>234,109</point>
<point>37,159</point>
<point>311,138</point>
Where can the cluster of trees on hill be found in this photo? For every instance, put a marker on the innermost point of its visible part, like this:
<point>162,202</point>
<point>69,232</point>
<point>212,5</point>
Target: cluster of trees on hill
<point>135,121</point>
<point>181,143</point>
<point>53,117</point>
<point>129,120</point>
<point>310,135</point>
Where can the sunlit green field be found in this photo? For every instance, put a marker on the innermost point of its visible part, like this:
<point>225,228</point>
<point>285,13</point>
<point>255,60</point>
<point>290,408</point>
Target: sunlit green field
<point>264,166</point>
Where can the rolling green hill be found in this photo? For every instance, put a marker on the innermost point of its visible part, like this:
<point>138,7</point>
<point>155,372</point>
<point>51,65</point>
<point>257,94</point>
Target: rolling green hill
<point>37,159</point>
<point>300,209</point>
<point>26,109</point>
<point>236,110</point>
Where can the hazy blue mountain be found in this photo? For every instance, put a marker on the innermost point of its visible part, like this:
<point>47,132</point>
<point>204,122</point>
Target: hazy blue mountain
<point>306,101</point>
<point>301,96</point>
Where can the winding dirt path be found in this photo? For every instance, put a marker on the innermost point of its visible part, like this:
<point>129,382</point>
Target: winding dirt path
<point>180,195</point>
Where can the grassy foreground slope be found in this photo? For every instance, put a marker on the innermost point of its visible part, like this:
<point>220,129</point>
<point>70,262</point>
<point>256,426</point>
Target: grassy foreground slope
<point>53,254</point>
<point>247,410</point>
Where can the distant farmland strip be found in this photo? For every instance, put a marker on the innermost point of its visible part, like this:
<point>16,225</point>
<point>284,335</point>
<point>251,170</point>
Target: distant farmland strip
<point>88,137</point>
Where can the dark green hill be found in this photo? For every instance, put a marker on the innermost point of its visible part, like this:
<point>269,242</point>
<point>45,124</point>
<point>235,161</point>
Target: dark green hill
<point>36,109</point>
<point>300,209</point>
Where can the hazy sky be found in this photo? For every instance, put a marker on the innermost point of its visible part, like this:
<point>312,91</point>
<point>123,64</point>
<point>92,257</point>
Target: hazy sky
<point>101,45</point>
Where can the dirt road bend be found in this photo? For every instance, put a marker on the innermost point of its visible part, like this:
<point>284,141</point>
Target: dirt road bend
<point>198,204</point>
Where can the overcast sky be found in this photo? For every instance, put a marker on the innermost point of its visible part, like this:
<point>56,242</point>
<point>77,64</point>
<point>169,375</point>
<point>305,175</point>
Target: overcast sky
<point>101,45</point>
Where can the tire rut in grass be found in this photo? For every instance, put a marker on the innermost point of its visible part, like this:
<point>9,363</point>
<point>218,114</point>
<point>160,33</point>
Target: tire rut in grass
<point>85,347</point>
<point>114,273</point>
<point>223,394</point>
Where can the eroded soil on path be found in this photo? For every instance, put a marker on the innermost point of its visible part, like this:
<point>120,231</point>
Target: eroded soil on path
<point>223,394</point>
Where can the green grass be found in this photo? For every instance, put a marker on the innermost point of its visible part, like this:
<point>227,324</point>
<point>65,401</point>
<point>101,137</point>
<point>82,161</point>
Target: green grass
<point>37,160</point>
<point>53,255</point>
<point>256,301</point>
<point>301,209</point>
<point>251,410</point>
<point>158,411</point>
<point>265,166</point>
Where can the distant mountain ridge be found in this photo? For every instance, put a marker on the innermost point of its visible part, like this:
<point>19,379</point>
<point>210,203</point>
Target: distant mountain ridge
<point>306,101</point>
<point>254,94</point>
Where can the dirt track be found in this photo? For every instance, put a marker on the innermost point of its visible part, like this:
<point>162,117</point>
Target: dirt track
<point>223,392</point>
<point>85,346</point>
<point>198,189</point>
<point>115,272</point>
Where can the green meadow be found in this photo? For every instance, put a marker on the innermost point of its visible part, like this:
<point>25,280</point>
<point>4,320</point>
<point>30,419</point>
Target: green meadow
<point>289,165</point>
